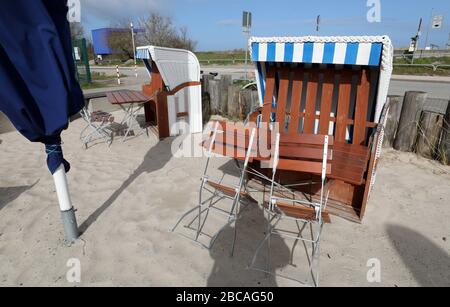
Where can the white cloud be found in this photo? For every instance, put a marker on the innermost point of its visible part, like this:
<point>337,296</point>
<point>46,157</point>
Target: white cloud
<point>115,10</point>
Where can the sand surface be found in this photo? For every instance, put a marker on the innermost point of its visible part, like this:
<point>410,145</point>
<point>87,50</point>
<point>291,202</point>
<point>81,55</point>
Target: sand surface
<point>129,195</point>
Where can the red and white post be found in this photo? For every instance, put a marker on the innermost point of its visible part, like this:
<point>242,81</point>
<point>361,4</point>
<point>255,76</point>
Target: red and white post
<point>118,74</point>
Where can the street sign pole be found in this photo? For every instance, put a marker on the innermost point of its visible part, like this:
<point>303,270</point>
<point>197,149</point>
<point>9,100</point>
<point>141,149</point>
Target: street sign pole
<point>318,24</point>
<point>428,29</point>
<point>134,49</point>
<point>246,26</point>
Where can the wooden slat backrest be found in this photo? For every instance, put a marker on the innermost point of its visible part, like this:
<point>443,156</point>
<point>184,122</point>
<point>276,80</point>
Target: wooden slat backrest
<point>304,153</point>
<point>350,119</point>
<point>233,140</point>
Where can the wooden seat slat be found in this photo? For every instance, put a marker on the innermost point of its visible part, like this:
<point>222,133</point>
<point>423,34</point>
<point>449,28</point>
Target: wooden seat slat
<point>302,212</point>
<point>229,191</point>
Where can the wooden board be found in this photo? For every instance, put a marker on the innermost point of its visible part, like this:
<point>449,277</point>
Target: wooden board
<point>326,102</point>
<point>345,88</point>
<point>311,99</point>
<point>361,109</point>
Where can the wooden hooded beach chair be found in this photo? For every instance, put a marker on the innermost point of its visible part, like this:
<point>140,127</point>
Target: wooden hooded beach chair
<point>333,86</point>
<point>175,90</point>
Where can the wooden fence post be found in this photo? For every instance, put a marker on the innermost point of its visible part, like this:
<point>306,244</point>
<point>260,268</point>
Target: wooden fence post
<point>214,95</point>
<point>429,133</point>
<point>393,118</point>
<point>224,84</point>
<point>445,141</point>
<point>409,120</point>
<point>233,101</point>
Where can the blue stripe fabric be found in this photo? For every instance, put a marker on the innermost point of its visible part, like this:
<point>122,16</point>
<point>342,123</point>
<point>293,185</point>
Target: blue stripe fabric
<point>255,52</point>
<point>261,79</point>
<point>308,50</point>
<point>352,53</point>
<point>289,52</point>
<point>143,54</point>
<point>328,54</point>
<point>375,54</point>
<point>271,49</point>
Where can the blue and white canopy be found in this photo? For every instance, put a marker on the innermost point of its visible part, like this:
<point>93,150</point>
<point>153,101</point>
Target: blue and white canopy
<point>371,51</point>
<point>364,51</point>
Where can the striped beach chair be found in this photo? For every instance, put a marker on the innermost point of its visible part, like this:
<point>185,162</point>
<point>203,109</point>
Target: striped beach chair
<point>333,86</point>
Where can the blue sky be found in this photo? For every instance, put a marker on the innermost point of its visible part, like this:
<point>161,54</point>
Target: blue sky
<point>216,24</point>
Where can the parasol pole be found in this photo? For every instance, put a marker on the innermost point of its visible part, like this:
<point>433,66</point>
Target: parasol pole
<point>65,204</point>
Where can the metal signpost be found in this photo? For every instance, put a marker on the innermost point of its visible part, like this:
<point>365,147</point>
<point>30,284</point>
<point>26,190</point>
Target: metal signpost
<point>318,24</point>
<point>246,26</point>
<point>134,49</point>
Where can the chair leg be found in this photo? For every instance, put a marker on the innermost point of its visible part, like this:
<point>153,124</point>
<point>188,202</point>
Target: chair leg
<point>183,217</point>
<point>315,257</point>
<point>269,231</point>
<point>235,229</point>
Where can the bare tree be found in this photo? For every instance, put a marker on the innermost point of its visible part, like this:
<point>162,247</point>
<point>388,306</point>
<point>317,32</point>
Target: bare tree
<point>120,40</point>
<point>155,30</point>
<point>160,31</point>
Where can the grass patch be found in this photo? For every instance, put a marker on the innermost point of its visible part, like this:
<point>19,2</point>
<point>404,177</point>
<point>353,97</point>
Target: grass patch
<point>423,71</point>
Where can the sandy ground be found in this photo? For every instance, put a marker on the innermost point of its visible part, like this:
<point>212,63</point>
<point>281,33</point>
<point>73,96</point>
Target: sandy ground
<point>129,195</point>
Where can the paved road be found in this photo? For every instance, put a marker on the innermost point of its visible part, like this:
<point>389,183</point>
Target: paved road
<point>399,84</point>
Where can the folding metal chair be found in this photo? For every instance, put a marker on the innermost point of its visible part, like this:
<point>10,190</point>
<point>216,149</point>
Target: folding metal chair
<point>99,126</point>
<point>307,154</point>
<point>235,142</point>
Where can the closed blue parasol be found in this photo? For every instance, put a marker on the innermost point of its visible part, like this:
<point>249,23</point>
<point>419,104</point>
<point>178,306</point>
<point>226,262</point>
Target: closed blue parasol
<point>38,88</point>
